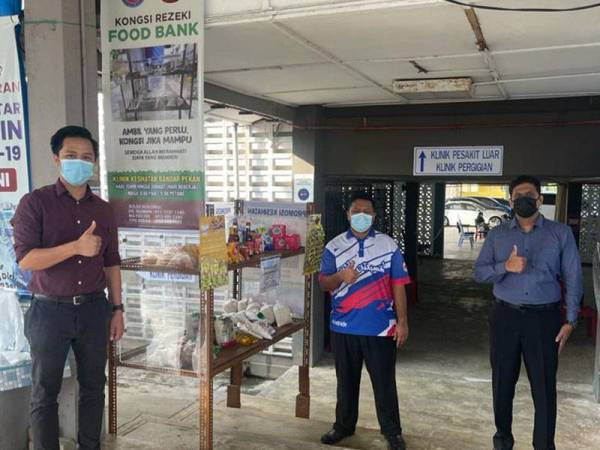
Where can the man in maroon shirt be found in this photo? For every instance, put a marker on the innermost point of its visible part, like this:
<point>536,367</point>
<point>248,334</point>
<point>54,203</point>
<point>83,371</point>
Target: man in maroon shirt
<point>67,237</point>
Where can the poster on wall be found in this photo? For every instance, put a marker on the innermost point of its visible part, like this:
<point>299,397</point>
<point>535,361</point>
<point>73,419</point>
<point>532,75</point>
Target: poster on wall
<point>153,90</point>
<point>303,188</point>
<point>14,170</point>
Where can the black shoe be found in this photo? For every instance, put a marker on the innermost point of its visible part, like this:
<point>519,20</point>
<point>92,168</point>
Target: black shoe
<point>503,442</point>
<point>396,442</point>
<point>333,436</point>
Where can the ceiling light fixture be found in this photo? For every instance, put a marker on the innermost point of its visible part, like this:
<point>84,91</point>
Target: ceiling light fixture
<point>432,85</point>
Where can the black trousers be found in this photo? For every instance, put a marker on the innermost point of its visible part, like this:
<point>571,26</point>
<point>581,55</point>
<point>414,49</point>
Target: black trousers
<point>52,328</point>
<point>530,335</point>
<point>379,355</point>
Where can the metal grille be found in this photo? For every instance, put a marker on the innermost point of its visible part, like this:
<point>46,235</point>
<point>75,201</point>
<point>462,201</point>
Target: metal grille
<point>389,200</point>
<point>425,219</point>
<point>590,221</point>
<point>398,214</point>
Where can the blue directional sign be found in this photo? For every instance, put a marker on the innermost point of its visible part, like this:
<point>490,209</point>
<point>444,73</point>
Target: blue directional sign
<point>475,161</point>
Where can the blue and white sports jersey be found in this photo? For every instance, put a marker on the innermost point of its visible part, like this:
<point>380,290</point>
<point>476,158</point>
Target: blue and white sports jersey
<point>365,307</point>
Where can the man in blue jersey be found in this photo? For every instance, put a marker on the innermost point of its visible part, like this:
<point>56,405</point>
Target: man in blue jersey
<point>527,260</point>
<point>365,273</point>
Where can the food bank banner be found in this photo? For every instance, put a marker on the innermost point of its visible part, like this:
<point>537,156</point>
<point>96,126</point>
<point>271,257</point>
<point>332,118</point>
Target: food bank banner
<point>153,96</point>
<point>14,171</point>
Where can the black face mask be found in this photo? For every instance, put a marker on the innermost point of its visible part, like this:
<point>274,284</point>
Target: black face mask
<point>525,207</point>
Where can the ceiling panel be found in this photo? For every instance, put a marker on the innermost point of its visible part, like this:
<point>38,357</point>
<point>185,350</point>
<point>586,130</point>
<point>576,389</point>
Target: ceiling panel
<point>372,95</point>
<point>471,62</point>
<point>487,92</point>
<point>555,62</point>
<point>395,32</point>
<point>514,30</point>
<point>286,79</point>
<point>365,40</point>
<point>571,86</point>
<point>252,45</point>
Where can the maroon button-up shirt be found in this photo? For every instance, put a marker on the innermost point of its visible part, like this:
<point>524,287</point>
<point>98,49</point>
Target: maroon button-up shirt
<point>49,217</point>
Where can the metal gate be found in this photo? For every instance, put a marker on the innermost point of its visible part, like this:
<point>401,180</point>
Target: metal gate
<point>425,216</point>
<point>389,199</point>
<point>590,221</point>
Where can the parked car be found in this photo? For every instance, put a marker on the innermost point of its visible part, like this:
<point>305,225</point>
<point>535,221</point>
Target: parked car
<point>466,211</point>
<point>502,201</point>
<point>486,202</point>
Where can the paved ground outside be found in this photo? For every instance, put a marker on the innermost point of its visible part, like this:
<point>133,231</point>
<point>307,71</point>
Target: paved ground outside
<point>443,380</point>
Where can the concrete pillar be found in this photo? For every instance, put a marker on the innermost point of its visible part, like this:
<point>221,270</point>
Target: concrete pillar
<point>307,152</point>
<point>410,233</point>
<point>439,206</point>
<point>54,72</point>
<point>62,88</point>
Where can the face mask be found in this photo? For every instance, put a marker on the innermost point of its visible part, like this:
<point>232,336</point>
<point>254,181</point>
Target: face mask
<point>361,222</point>
<point>75,171</point>
<point>525,207</point>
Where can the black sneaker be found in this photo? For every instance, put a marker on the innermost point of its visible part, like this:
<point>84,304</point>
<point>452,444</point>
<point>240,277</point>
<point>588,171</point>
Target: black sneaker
<point>396,442</point>
<point>333,436</point>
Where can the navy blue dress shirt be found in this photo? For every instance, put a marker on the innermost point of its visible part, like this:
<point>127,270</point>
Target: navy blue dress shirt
<point>552,259</point>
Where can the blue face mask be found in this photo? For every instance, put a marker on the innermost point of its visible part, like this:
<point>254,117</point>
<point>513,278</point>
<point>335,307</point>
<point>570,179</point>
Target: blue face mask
<point>361,222</point>
<point>75,171</point>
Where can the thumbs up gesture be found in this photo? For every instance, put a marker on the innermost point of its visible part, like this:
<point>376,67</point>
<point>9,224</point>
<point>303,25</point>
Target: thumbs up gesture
<point>515,263</point>
<point>349,275</point>
<point>88,243</point>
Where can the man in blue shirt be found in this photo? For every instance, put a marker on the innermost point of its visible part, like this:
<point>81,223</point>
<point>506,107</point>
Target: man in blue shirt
<point>529,260</point>
<point>365,273</point>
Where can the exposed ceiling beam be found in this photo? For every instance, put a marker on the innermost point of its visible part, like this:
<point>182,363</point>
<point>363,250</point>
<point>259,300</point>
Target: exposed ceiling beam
<point>267,13</point>
<point>261,105</point>
<point>264,68</point>
<point>325,63</point>
<point>540,78</point>
<point>484,49</point>
<point>341,88</point>
<point>335,60</point>
<point>556,95</point>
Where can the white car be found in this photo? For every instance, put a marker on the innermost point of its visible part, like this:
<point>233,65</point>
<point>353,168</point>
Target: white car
<point>467,212</point>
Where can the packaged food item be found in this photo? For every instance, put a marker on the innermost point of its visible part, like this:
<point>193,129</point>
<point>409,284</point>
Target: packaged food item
<point>186,356</point>
<point>165,256</point>
<point>182,260</point>
<point>149,258</point>
<point>267,312</point>
<point>234,254</point>
<point>260,330</point>
<point>278,230</point>
<point>253,307</point>
<point>180,257</point>
<point>315,243</point>
<point>245,339</point>
<point>292,242</point>
<point>230,306</point>
<point>282,313</point>
<point>213,273</point>
<point>224,332</point>
<point>268,245</point>
<point>279,243</point>
<point>242,305</point>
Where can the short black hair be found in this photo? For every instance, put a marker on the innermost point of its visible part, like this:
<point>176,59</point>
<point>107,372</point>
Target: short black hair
<point>56,141</point>
<point>525,179</point>
<point>361,196</point>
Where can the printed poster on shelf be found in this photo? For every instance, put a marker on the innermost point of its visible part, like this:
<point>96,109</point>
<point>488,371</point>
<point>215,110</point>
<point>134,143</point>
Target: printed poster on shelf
<point>153,96</point>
